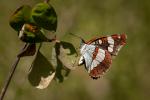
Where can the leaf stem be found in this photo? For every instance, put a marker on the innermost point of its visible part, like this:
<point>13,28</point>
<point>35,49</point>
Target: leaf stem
<point>11,73</point>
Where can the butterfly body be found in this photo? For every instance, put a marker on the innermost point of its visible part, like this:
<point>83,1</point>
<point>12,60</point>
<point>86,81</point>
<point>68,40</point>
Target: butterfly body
<point>97,53</point>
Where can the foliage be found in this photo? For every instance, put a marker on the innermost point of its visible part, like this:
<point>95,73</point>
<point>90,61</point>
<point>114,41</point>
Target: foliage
<point>31,23</point>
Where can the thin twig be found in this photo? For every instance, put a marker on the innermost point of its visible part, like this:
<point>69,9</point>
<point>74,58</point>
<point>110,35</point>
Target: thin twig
<point>11,73</point>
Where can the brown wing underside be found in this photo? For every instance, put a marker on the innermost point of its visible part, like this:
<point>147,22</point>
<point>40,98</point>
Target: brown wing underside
<point>119,39</point>
<point>102,67</point>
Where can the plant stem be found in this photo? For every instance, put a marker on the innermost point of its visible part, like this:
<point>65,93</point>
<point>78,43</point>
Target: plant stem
<point>11,73</point>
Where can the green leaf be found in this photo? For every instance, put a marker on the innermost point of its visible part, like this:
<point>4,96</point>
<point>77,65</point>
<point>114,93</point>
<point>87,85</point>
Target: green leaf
<point>64,58</point>
<point>19,17</point>
<point>32,34</point>
<point>44,16</point>
<point>67,55</point>
<point>42,72</point>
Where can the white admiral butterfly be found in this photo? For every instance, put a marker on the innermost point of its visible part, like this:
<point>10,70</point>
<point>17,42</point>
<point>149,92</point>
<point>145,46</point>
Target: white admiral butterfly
<point>97,53</point>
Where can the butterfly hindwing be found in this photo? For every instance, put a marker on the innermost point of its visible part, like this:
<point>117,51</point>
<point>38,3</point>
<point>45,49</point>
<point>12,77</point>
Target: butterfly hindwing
<point>97,60</point>
<point>102,67</point>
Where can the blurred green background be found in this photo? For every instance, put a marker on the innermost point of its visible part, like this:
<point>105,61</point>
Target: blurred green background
<point>128,77</point>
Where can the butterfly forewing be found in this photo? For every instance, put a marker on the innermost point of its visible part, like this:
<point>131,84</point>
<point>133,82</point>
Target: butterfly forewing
<point>87,54</point>
<point>111,43</point>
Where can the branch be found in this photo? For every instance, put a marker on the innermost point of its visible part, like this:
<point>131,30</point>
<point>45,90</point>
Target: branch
<point>11,73</point>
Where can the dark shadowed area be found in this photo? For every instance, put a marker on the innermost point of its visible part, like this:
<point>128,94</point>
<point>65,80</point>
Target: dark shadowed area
<point>128,77</point>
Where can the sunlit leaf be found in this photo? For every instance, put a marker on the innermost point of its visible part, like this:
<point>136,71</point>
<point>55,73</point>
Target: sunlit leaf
<point>64,58</point>
<point>68,60</point>
<point>67,54</point>
<point>45,81</point>
<point>41,73</point>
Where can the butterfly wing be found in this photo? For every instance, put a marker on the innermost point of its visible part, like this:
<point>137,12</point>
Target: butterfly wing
<point>86,55</point>
<point>119,42</point>
<point>97,60</point>
<point>112,43</point>
<point>97,53</point>
<point>103,61</point>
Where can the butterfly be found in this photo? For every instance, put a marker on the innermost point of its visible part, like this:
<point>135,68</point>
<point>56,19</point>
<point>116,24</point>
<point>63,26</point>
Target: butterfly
<point>97,53</point>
